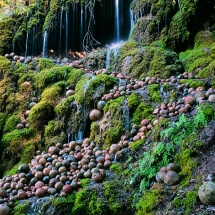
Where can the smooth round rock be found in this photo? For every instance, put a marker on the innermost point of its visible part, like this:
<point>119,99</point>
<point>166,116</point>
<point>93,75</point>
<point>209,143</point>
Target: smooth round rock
<point>101,105</point>
<point>172,166</point>
<point>171,178</point>
<point>3,192</point>
<point>40,192</point>
<point>95,115</point>
<point>160,176</point>
<point>20,126</point>
<point>97,177</point>
<point>69,93</point>
<point>67,188</point>
<point>24,168</point>
<point>211,98</point>
<point>207,193</point>
<point>4,209</point>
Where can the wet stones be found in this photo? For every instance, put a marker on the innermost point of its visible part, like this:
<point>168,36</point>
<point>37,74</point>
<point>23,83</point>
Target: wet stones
<point>168,175</point>
<point>100,105</point>
<point>3,192</point>
<point>24,168</point>
<point>4,209</point>
<point>207,193</point>
<point>69,93</point>
<point>95,115</point>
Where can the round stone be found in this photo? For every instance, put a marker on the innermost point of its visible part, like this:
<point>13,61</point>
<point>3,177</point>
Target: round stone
<point>69,93</point>
<point>207,193</point>
<point>211,98</point>
<point>24,168</point>
<point>95,115</point>
<point>40,192</point>
<point>101,105</point>
<point>97,177</point>
<point>171,178</point>
<point>4,209</point>
<point>20,126</point>
<point>3,193</point>
<point>172,166</point>
<point>67,188</point>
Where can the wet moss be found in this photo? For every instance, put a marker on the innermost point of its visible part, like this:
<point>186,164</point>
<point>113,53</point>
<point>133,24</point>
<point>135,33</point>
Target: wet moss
<point>45,63</point>
<point>149,202</point>
<point>2,121</point>
<point>208,111</point>
<point>11,123</point>
<point>193,83</point>
<point>116,168</point>
<point>40,114</point>
<point>114,104</point>
<point>5,66</point>
<point>154,92</point>
<point>20,208</point>
<point>135,145</point>
<point>133,101</point>
<point>143,111</point>
<point>74,76</point>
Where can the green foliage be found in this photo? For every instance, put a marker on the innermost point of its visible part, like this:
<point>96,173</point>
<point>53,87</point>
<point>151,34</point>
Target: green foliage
<point>154,92</point>
<point>151,162</point>
<point>114,104</point>
<point>45,63</point>
<point>2,121</point>
<point>20,208</point>
<point>143,111</point>
<point>40,114</point>
<point>85,182</point>
<point>208,111</point>
<point>135,145</point>
<point>11,123</point>
<point>74,76</point>
<point>63,107</point>
<point>187,202</point>
<point>133,101</point>
<point>52,75</point>
<point>149,202</point>
<point>193,83</point>
<point>96,205</point>
<point>5,65</point>
<point>116,168</point>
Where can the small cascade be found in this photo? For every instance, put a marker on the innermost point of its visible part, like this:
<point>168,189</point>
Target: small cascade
<point>33,42</point>
<point>131,22</point>
<point>45,44</point>
<point>126,115</point>
<point>68,137</point>
<point>81,28</point>
<point>26,46</point>
<point>117,21</point>
<point>115,49</point>
<point>67,30</point>
<point>179,5</point>
<point>61,24</point>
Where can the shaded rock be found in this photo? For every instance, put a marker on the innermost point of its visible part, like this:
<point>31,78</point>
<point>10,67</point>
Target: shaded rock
<point>24,168</point>
<point>95,115</point>
<point>171,178</point>
<point>207,193</point>
<point>4,209</point>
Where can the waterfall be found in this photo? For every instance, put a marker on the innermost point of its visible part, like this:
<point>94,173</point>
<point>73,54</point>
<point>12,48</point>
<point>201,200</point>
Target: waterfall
<point>81,28</point>
<point>45,44</point>
<point>26,46</point>
<point>126,115</point>
<point>33,42</point>
<point>67,30</point>
<point>115,49</point>
<point>131,22</point>
<point>179,5</point>
<point>117,21</point>
<point>61,23</point>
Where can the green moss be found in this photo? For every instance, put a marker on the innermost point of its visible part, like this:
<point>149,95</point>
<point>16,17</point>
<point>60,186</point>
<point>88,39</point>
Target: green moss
<point>85,182</point>
<point>157,129</point>
<point>63,106</point>
<point>143,111</point>
<point>20,208</point>
<point>5,66</point>
<point>2,121</point>
<point>86,93</point>
<point>27,155</point>
<point>187,202</point>
<point>133,101</point>
<point>11,123</point>
<point>149,202</point>
<point>193,83</point>
<point>135,145</point>
<point>113,133</point>
<point>51,75</point>
<point>154,92</point>
<point>45,63</point>
<point>116,168</point>
<point>74,76</point>
<point>208,111</point>
<point>166,87</point>
<point>40,114</point>
<point>96,205</point>
<point>81,203</point>
<point>114,104</point>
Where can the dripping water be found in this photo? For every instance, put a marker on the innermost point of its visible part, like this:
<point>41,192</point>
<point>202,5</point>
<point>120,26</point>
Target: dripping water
<point>126,115</point>
<point>67,29</point>
<point>117,21</point>
<point>61,23</point>
<point>26,46</point>
<point>179,5</point>
<point>81,27</point>
<point>45,44</point>
<point>131,22</point>
<point>115,49</point>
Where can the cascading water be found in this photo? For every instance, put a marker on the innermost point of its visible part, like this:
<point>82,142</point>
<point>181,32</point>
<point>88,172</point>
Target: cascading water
<point>67,30</point>
<point>61,23</point>
<point>115,49</point>
<point>26,46</point>
<point>81,28</point>
<point>131,22</point>
<point>126,115</point>
<point>45,44</point>
<point>117,21</point>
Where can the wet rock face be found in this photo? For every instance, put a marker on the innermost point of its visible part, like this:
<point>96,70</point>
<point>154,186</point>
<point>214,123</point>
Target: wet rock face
<point>207,193</point>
